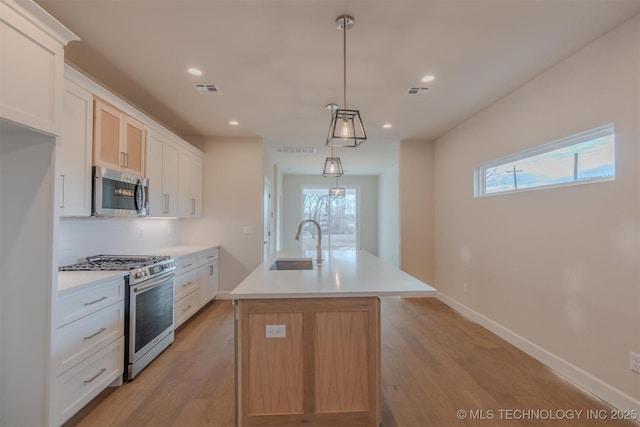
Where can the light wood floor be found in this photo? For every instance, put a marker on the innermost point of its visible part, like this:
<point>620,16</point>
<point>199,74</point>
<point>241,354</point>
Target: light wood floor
<point>434,364</point>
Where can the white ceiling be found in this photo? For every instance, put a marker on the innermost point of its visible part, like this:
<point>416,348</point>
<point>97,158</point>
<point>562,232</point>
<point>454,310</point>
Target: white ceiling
<point>278,63</point>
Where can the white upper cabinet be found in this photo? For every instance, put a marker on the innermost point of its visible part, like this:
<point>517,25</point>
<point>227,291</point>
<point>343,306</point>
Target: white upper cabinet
<point>162,172</point>
<point>190,185</point>
<point>31,65</point>
<point>73,152</point>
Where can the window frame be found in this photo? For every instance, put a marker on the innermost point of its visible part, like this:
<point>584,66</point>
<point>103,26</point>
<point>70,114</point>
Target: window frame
<point>479,175</point>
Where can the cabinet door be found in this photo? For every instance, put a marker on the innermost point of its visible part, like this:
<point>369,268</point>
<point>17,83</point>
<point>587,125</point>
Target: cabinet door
<point>155,147</point>
<point>190,185</point>
<point>170,178</point>
<point>133,145</point>
<point>208,278</point>
<point>73,152</point>
<point>196,186</point>
<point>107,136</point>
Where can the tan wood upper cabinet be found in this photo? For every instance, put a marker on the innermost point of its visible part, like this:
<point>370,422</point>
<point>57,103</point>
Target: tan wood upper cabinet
<point>118,139</point>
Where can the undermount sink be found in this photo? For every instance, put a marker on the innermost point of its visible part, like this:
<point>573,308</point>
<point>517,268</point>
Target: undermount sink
<point>292,264</point>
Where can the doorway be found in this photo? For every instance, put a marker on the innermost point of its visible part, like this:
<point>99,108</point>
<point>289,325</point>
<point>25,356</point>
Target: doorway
<point>338,219</point>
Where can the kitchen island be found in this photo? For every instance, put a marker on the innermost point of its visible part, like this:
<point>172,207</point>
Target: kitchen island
<point>308,340</point>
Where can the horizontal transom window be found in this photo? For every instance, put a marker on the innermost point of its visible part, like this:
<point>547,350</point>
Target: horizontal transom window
<point>581,158</point>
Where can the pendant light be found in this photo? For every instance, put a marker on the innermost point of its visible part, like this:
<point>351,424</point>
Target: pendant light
<point>337,192</point>
<point>346,129</point>
<point>332,165</point>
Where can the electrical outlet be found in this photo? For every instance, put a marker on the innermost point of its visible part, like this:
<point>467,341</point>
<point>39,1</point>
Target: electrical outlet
<point>275,331</point>
<point>635,362</point>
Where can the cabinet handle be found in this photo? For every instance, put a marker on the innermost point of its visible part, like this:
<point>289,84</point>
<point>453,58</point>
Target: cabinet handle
<point>185,309</point>
<point>211,256</point>
<point>211,270</point>
<point>193,206</point>
<point>166,203</point>
<point>62,202</point>
<point>96,301</point>
<point>122,159</point>
<point>188,265</point>
<point>126,160</point>
<point>102,371</point>
<point>94,334</point>
<point>186,284</point>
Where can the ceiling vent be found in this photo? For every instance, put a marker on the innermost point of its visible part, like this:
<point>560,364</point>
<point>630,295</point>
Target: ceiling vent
<point>207,89</point>
<point>417,91</point>
<point>295,150</point>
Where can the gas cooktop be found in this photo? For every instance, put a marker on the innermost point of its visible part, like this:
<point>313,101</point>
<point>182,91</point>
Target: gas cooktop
<point>114,262</point>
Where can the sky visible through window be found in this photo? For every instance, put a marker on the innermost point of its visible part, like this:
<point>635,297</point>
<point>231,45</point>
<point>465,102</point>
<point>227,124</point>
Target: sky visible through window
<point>588,160</point>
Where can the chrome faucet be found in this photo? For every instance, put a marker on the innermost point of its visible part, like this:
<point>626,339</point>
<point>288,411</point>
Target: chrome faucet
<point>319,247</point>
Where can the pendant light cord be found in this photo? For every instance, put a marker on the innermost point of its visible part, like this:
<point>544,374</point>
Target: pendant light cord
<point>344,59</point>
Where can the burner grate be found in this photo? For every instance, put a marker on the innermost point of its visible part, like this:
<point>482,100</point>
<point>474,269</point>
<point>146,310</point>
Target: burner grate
<point>113,262</point>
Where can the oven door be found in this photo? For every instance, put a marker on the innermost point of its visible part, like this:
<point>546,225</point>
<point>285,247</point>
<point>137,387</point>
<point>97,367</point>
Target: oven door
<point>150,314</point>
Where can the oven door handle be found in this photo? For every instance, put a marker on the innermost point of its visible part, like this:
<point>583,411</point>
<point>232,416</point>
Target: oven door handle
<point>157,282</point>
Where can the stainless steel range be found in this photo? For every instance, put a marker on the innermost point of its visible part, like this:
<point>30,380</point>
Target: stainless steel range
<point>148,304</point>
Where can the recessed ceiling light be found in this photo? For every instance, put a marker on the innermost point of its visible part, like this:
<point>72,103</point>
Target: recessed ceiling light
<point>194,71</point>
<point>428,78</point>
<point>387,125</point>
<point>233,123</point>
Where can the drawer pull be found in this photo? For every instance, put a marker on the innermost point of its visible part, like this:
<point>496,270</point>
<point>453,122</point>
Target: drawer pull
<point>94,334</point>
<point>188,265</point>
<point>184,285</point>
<point>102,371</point>
<point>185,309</point>
<point>96,301</point>
<point>212,256</point>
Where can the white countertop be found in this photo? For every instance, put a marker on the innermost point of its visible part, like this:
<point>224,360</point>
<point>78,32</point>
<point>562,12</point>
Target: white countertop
<point>73,279</point>
<point>343,274</point>
<point>176,252</point>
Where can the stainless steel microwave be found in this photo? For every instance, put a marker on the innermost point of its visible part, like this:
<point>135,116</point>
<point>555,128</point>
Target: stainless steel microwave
<point>117,193</point>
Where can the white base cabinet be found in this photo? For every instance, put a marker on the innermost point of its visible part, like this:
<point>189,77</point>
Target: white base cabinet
<point>196,283</point>
<point>88,345</point>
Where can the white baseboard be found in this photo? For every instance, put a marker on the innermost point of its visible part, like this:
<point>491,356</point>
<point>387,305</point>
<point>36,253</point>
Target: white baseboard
<point>581,378</point>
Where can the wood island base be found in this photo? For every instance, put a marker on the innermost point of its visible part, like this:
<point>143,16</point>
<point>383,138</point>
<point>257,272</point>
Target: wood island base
<point>321,369</point>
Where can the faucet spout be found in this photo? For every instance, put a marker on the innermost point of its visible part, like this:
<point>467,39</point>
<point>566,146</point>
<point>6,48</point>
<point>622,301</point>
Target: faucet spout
<point>319,245</point>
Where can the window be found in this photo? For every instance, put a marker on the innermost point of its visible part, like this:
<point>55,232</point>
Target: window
<point>337,218</point>
<point>582,158</point>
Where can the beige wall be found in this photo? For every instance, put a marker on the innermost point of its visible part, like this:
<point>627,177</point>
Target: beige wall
<point>557,270</point>
<point>417,209</point>
<point>389,216</point>
<point>233,187</point>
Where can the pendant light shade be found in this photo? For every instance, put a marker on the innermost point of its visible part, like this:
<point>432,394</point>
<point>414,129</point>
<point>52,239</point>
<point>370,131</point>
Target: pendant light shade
<point>337,192</point>
<point>346,129</point>
<point>332,167</point>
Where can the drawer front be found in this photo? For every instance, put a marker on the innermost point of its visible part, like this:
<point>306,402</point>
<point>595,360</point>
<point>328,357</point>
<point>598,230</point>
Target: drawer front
<point>78,340</point>
<point>186,263</point>
<point>83,303</point>
<point>186,307</point>
<point>76,387</point>
<point>185,283</point>
<point>208,256</point>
